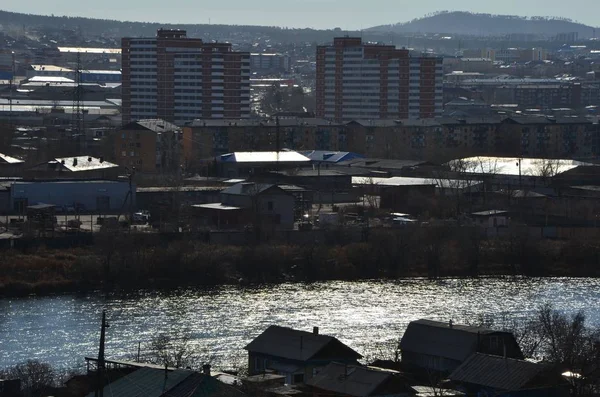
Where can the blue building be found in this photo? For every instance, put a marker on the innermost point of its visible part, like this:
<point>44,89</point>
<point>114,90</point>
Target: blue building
<point>96,196</point>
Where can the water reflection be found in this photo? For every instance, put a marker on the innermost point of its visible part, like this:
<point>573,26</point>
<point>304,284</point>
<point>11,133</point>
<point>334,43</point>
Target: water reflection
<point>365,315</point>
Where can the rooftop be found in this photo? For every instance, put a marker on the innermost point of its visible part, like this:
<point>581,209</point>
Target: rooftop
<point>90,50</point>
<point>490,213</point>
<point>216,206</point>
<point>292,344</point>
<point>286,156</point>
<point>83,163</point>
<point>510,165</point>
<point>497,372</point>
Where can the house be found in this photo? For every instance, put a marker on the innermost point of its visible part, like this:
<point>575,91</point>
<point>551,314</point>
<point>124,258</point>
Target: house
<point>429,345</point>
<point>247,203</point>
<point>154,382</point>
<point>490,375</point>
<point>342,380</point>
<point>298,355</point>
<point>77,167</point>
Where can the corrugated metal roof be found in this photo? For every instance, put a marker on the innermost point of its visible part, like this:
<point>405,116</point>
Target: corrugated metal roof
<point>145,382</point>
<point>351,380</point>
<point>497,372</point>
<point>264,157</point>
<point>292,344</point>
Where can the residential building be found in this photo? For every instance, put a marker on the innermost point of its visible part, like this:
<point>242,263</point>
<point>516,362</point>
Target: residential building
<point>487,375</point>
<point>356,80</point>
<point>341,380</point>
<point>442,347</point>
<point>149,146</point>
<point>209,138</point>
<point>269,63</point>
<point>179,79</point>
<point>296,354</point>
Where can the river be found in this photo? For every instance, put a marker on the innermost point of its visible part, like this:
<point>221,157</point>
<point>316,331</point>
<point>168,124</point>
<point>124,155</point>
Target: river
<point>366,315</point>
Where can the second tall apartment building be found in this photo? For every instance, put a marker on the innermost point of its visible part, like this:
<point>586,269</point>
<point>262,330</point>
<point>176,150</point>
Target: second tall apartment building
<point>357,81</point>
<point>179,79</point>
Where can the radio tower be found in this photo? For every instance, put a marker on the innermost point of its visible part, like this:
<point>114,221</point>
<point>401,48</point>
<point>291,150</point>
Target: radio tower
<point>77,126</point>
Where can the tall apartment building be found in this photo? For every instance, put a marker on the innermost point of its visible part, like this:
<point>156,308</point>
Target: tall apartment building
<point>179,79</point>
<point>371,81</point>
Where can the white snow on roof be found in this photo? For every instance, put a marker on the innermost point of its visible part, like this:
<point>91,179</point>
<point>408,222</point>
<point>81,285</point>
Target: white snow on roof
<point>264,157</point>
<point>84,163</point>
<point>510,165</point>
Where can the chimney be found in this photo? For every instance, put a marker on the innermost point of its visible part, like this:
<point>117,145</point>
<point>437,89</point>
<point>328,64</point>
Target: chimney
<point>450,323</point>
<point>316,330</point>
<point>74,162</point>
<point>206,369</point>
<point>89,159</point>
<point>101,159</point>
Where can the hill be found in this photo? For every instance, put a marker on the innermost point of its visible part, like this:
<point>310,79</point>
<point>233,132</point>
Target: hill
<point>16,23</point>
<point>471,24</point>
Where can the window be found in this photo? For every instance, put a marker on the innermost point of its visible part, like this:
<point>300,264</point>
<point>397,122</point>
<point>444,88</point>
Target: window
<point>123,136</point>
<point>124,153</point>
<point>138,144</point>
<point>132,153</point>
<point>270,206</point>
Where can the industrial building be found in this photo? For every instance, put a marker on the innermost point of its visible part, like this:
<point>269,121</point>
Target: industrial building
<point>179,79</point>
<point>96,196</point>
<point>371,81</point>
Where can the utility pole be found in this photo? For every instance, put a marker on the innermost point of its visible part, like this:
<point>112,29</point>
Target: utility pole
<point>101,364</point>
<point>277,142</point>
<point>77,126</point>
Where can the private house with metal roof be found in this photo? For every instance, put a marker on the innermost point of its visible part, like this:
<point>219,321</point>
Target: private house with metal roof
<point>298,355</point>
<point>437,346</point>
<point>491,375</point>
<point>261,205</point>
<point>154,382</point>
<point>341,380</point>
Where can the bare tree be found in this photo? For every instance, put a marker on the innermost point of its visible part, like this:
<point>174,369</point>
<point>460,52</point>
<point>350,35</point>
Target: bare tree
<point>34,375</point>
<point>176,351</point>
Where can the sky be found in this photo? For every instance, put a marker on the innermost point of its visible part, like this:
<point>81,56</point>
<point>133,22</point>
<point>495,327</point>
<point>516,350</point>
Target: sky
<point>320,14</point>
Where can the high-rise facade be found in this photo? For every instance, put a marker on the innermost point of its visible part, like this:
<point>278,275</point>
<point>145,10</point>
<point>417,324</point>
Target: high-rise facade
<point>179,79</point>
<point>356,80</point>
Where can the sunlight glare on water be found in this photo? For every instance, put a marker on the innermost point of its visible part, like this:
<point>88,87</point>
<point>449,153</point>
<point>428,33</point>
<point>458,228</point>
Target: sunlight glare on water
<point>366,315</point>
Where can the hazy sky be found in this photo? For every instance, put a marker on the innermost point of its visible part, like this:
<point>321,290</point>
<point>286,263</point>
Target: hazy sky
<point>347,14</point>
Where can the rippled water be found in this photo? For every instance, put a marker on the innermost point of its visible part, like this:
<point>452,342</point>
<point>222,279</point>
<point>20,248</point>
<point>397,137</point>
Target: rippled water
<point>365,315</point>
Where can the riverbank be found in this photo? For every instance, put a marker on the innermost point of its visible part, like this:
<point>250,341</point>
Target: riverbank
<point>138,261</point>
